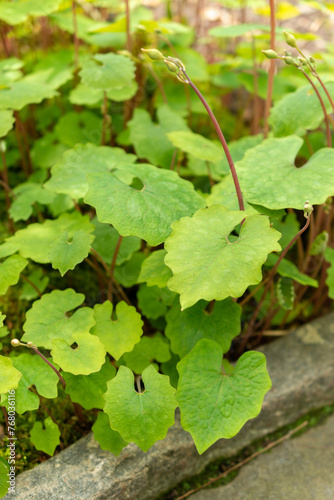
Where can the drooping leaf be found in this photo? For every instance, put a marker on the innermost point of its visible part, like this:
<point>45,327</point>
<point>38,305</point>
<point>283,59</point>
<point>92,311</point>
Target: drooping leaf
<point>226,265</point>
<point>45,439</point>
<point>145,352</point>
<point>142,418</point>
<point>215,405</point>
<point>67,251</point>
<point>288,269</point>
<point>69,175</point>
<point>146,213</point>
<point>186,328</point>
<point>154,271</point>
<point>319,245</point>
<point>329,256</point>
<point>35,372</point>
<point>299,111</point>
<point>48,318</point>
<point>197,145</point>
<point>36,241</point>
<point>107,71</point>
<point>10,271</point>
<point>154,301</point>
<point>10,376</point>
<point>270,179</point>
<point>107,438</point>
<point>120,334</point>
<point>88,390</point>
<point>6,122</point>
<point>87,357</point>
<point>106,238</point>
<point>285,293</point>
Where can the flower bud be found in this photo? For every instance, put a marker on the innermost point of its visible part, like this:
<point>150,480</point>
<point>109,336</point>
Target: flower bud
<point>15,342</point>
<point>172,66</point>
<point>30,344</point>
<point>290,39</point>
<point>153,54</point>
<point>308,209</point>
<point>176,61</point>
<point>311,59</point>
<point>270,54</point>
<point>287,52</point>
<point>290,61</point>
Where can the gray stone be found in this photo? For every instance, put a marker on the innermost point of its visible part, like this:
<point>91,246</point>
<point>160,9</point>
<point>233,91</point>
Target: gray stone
<point>299,469</point>
<point>302,371</point>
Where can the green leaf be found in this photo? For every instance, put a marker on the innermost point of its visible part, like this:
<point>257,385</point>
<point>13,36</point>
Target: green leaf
<point>10,271</point>
<point>10,376</point>
<point>39,280</point>
<point>2,317</point>
<point>84,95</point>
<point>47,150</point>
<point>46,439</point>
<point>197,145</point>
<point>153,301</point>
<point>67,251</point>
<point>299,111</point>
<point>87,357</point>
<point>88,390</point>
<point>288,227</point>
<point>54,69</point>
<point>288,269</point>
<point>107,71</point>
<point>154,271</point>
<point>285,293</point>
<point>145,352</point>
<point>69,175</point>
<point>48,318</point>
<point>118,334</point>
<point>185,329</point>
<point>319,245</point>
<point>146,213</point>
<point>35,372</point>
<point>27,194</point>
<point>106,238</point>
<point>4,470</point>
<point>270,179</point>
<point>75,128</point>
<point>18,12</point>
<point>224,194</point>
<point>108,439</point>
<point>237,30</point>
<point>169,368</point>
<point>142,418</point>
<point>329,256</point>
<point>18,94</point>
<point>37,240</point>
<point>220,404</point>
<point>6,122</point>
<point>225,266</point>
<point>127,274</point>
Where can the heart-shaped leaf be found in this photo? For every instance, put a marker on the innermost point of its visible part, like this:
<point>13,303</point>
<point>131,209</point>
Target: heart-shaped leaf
<point>220,404</point>
<point>270,179</point>
<point>67,251</point>
<point>186,328</point>
<point>226,265</point>
<point>142,418</point>
<point>46,439</point>
<point>148,212</point>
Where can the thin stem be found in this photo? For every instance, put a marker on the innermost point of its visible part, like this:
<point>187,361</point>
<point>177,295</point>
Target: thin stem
<point>271,71</point>
<point>222,140</point>
<point>270,277</point>
<point>172,164</point>
<point>248,459</point>
<point>253,292</point>
<point>112,267</point>
<point>31,284</point>
<point>128,33</point>
<point>212,182</point>
<point>34,348</point>
<point>76,39</point>
<point>46,409</point>
<point>328,132</point>
<point>325,90</point>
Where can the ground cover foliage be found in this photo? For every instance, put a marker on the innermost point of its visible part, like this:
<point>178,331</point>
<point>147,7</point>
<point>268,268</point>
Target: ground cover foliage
<point>138,259</point>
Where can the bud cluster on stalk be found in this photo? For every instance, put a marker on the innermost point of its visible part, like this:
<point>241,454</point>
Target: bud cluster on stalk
<point>173,64</point>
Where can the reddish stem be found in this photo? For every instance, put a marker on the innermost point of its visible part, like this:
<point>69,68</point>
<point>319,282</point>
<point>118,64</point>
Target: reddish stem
<point>34,348</point>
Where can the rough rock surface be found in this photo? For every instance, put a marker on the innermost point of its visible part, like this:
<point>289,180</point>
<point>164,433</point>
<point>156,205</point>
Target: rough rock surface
<point>298,469</point>
<point>302,371</point>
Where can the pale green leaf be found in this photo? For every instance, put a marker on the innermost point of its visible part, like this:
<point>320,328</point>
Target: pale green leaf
<point>40,280</point>
<point>215,405</point>
<point>69,175</point>
<point>45,439</point>
<point>146,351</point>
<point>288,269</point>
<point>10,271</point>
<point>10,376</point>
<point>26,195</point>
<point>269,178</point>
<point>6,122</point>
<point>197,145</point>
<point>185,328</point>
<point>17,12</point>
<point>154,271</point>
<point>48,318</point>
<point>84,95</point>
<point>147,213</point>
<point>142,418</point>
<point>108,439</point>
<point>88,390</point>
<point>226,265</point>
<point>237,30</point>
<point>18,94</point>
<point>67,252</point>
<point>84,358</point>
<point>285,293</point>
<point>4,471</point>
<point>120,333</point>
<point>107,71</point>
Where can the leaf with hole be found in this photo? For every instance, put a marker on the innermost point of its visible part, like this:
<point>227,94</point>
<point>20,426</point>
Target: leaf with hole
<point>67,251</point>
